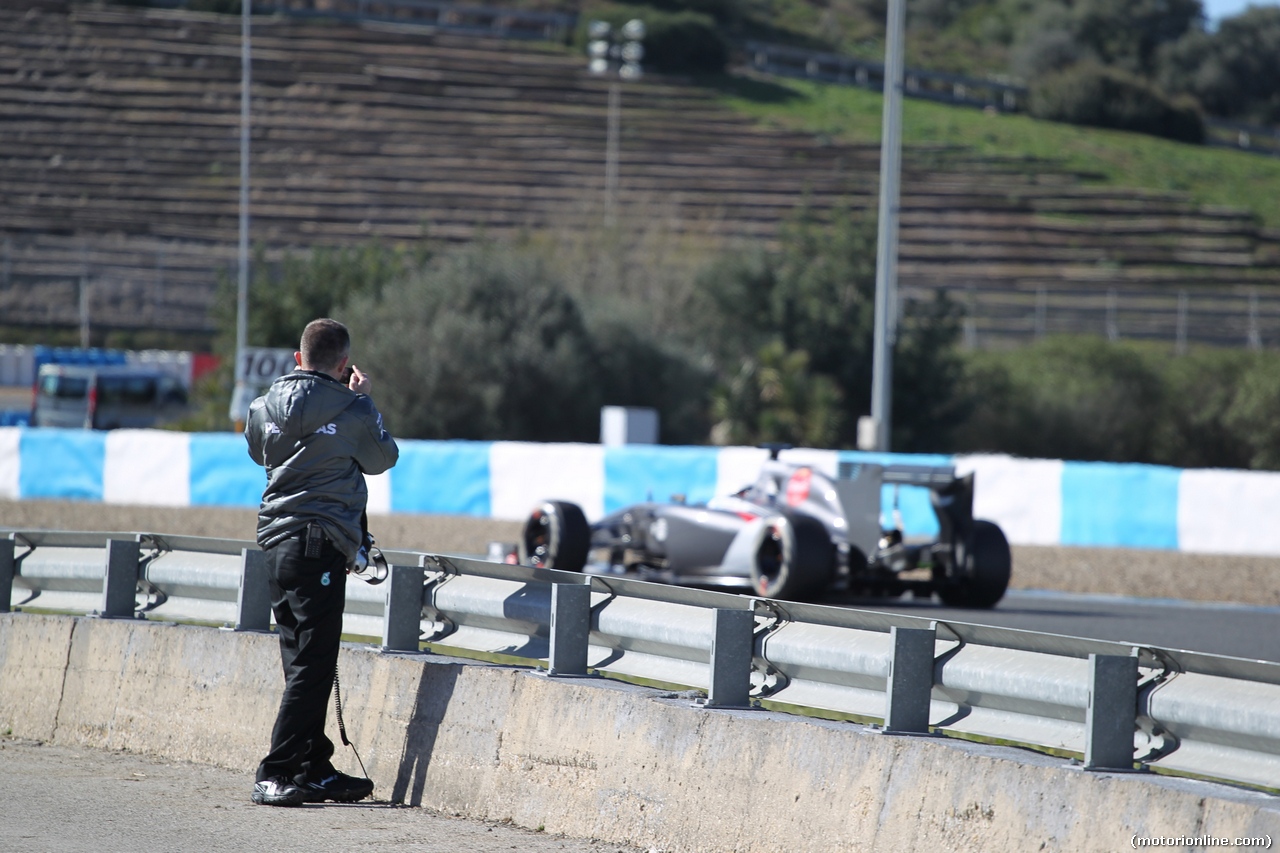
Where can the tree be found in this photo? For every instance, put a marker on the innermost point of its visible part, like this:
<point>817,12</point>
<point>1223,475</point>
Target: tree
<point>284,297</point>
<point>1128,34</point>
<point>815,296</point>
<point>774,397</point>
<point>1103,96</point>
<point>636,367</point>
<point>481,343</point>
<point>929,379</point>
<point>1234,72</point>
<point>1045,42</point>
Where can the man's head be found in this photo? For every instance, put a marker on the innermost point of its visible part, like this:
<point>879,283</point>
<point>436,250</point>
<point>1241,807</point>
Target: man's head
<point>325,347</point>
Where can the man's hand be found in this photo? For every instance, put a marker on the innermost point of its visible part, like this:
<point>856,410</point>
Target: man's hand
<point>359,382</point>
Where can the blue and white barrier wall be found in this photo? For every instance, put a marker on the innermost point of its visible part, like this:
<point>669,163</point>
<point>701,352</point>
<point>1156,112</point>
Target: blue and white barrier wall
<point>1036,501</point>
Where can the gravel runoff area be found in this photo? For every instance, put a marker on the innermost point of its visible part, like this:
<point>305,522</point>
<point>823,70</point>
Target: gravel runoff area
<point>1110,571</point>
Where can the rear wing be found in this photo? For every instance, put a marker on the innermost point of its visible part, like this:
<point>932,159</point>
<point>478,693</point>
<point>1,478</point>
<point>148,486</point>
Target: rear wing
<point>858,486</point>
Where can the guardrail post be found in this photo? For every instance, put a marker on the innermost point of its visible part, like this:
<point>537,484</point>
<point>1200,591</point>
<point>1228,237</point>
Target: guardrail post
<point>732,644</point>
<point>402,613</point>
<point>120,579</point>
<point>910,682</point>
<point>6,573</point>
<point>1112,714</point>
<point>253,601</point>
<point>570,629</point>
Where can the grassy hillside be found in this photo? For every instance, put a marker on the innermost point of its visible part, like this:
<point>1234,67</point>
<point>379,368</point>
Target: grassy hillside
<point>1208,175</point>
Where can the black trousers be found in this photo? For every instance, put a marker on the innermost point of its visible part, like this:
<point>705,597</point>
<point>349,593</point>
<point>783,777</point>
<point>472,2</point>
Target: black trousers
<point>308,596</point>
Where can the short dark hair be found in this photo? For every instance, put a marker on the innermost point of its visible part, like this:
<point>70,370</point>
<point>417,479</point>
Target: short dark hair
<point>324,344</point>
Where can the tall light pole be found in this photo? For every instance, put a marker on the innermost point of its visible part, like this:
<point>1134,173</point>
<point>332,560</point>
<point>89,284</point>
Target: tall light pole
<point>607,52</point>
<point>239,403</point>
<point>873,432</point>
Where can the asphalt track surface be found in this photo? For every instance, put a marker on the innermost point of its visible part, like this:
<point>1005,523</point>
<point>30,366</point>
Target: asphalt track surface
<point>1236,630</point>
<point>73,800</point>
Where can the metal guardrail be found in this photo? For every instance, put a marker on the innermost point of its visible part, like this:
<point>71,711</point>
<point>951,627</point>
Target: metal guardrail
<point>961,90</point>
<point>1246,137</point>
<point>1114,706</point>
<point>847,70</point>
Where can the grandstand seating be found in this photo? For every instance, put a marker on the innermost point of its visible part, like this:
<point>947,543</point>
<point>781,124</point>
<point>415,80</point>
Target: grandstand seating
<point>119,170</point>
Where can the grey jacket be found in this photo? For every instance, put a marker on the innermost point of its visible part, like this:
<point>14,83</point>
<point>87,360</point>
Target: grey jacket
<point>317,440</point>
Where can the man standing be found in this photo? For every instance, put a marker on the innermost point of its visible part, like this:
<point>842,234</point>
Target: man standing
<point>317,438</point>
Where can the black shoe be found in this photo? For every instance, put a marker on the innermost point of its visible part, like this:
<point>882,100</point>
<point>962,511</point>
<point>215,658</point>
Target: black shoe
<point>278,791</point>
<point>338,787</point>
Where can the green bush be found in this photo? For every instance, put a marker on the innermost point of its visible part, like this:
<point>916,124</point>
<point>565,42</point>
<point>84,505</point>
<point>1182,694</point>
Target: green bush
<point>1194,430</point>
<point>1254,414</point>
<point>1064,398</point>
<point>1086,399</point>
<point>1091,94</point>
<point>484,343</point>
<point>683,42</point>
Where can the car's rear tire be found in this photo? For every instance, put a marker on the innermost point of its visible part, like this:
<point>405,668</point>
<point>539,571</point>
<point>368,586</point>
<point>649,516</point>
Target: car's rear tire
<point>556,536</point>
<point>982,580</point>
<point>792,558</point>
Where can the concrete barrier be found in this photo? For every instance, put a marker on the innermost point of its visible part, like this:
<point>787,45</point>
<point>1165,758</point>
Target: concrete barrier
<point>589,757</point>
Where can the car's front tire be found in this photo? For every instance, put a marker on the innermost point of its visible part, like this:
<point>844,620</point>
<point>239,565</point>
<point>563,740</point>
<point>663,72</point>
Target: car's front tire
<point>792,559</point>
<point>556,536</point>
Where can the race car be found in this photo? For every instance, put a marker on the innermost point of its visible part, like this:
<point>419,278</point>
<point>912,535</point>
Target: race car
<point>795,533</point>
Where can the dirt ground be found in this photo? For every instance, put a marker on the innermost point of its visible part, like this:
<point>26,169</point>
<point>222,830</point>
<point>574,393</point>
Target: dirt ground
<point>1113,571</point>
<point>445,534</point>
